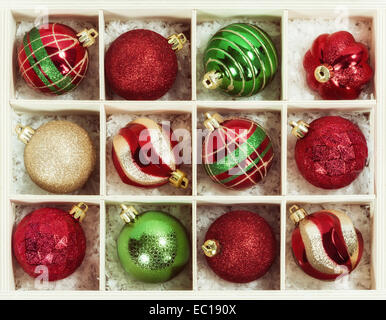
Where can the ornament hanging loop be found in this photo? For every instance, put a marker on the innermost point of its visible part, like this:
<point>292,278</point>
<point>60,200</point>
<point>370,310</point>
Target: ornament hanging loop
<point>178,179</point>
<point>323,73</point>
<point>212,122</point>
<point>128,213</point>
<point>177,41</point>
<point>87,37</point>
<point>79,211</point>
<point>297,213</point>
<point>210,248</point>
<point>24,134</point>
<point>212,79</point>
<point>299,129</point>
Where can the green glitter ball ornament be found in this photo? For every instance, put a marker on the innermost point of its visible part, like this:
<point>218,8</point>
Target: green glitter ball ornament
<point>153,246</point>
<point>240,59</point>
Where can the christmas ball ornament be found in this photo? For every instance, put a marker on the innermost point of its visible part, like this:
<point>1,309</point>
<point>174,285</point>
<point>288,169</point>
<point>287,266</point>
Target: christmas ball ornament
<point>240,246</point>
<point>240,59</point>
<point>142,65</point>
<point>337,66</point>
<point>59,156</point>
<point>53,58</point>
<point>237,153</point>
<point>331,151</point>
<point>153,246</point>
<point>325,244</point>
<point>143,155</point>
<point>51,238</point>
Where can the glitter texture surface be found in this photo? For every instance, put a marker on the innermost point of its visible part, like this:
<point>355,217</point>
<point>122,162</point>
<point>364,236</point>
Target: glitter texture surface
<point>359,279</point>
<point>347,61</point>
<point>88,89</point>
<point>153,248</point>
<point>86,276</point>
<point>247,246</point>
<point>140,65</point>
<point>116,277</point>
<point>52,238</point>
<point>60,157</point>
<point>181,124</point>
<point>332,154</point>
<point>301,33</point>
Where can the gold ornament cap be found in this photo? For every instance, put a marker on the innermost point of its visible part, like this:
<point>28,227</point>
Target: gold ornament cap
<point>24,133</point>
<point>212,79</point>
<point>79,211</point>
<point>323,73</point>
<point>297,214</point>
<point>128,213</point>
<point>59,156</point>
<point>299,129</point>
<point>87,37</point>
<point>177,41</point>
<point>211,248</point>
<point>178,179</point>
<point>212,122</point>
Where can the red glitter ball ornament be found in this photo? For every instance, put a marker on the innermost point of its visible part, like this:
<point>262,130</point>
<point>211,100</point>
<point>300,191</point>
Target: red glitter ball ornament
<point>52,238</point>
<point>240,246</point>
<point>142,65</point>
<point>331,151</point>
<point>144,155</point>
<point>325,244</point>
<point>53,58</point>
<point>337,66</point>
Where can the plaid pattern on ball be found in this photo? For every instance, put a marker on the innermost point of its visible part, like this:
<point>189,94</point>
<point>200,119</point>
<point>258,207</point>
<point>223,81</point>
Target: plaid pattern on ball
<point>238,154</point>
<point>51,59</point>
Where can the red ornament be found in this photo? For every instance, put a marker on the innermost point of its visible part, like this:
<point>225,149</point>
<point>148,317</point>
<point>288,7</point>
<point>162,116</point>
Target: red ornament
<point>143,155</point>
<point>237,153</point>
<point>337,66</point>
<point>325,244</point>
<point>52,238</point>
<point>331,153</point>
<point>52,59</point>
<point>142,65</point>
<point>240,246</point>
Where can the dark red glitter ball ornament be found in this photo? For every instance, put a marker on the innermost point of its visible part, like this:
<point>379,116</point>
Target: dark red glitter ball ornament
<point>331,153</point>
<point>337,66</point>
<point>52,238</point>
<point>140,65</point>
<point>240,246</point>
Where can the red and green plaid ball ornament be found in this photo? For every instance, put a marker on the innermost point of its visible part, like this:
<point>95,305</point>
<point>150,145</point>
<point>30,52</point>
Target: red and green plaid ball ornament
<point>237,153</point>
<point>53,58</point>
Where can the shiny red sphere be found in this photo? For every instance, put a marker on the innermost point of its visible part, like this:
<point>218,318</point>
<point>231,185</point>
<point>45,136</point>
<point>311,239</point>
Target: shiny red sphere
<point>51,59</point>
<point>52,238</point>
<point>140,65</point>
<point>138,156</point>
<point>247,246</point>
<point>347,61</point>
<point>332,154</point>
<point>328,255</point>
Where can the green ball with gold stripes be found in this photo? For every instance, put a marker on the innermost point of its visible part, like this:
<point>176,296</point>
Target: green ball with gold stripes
<point>237,153</point>
<point>240,59</point>
<point>53,58</point>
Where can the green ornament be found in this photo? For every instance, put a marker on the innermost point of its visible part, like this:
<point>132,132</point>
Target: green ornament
<point>241,59</point>
<point>152,246</point>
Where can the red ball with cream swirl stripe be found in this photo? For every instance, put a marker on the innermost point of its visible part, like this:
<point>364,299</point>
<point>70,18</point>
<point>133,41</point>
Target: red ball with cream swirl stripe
<point>325,244</point>
<point>143,155</point>
<point>237,153</point>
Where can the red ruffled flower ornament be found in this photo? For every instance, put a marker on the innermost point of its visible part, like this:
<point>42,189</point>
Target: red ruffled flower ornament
<point>337,66</point>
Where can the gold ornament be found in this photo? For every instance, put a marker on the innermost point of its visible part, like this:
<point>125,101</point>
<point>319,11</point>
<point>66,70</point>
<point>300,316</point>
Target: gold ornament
<point>59,156</point>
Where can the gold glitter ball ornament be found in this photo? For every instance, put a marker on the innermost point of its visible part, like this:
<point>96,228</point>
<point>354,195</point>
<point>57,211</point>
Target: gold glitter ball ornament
<point>59,156</point>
